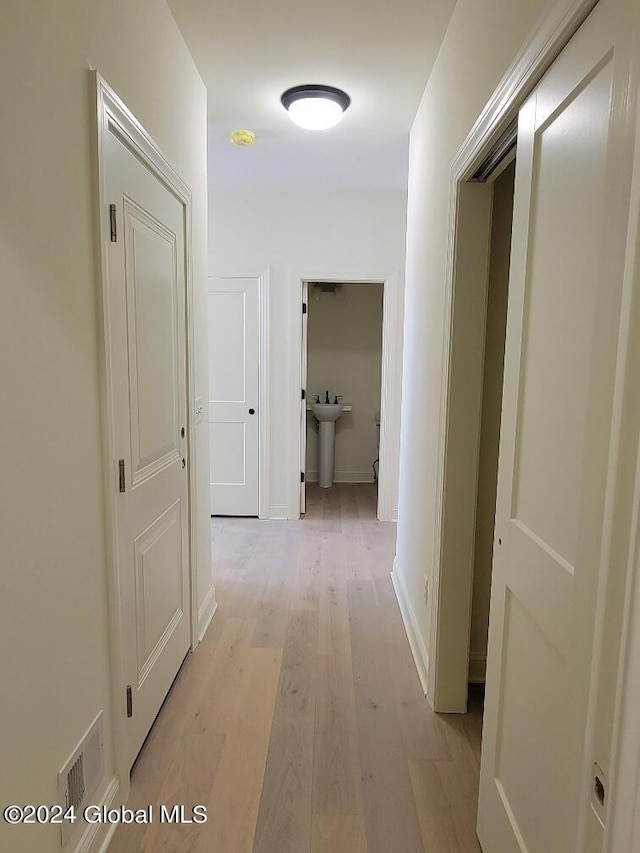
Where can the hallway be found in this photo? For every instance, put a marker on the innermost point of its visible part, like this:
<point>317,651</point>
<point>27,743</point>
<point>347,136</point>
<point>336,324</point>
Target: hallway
<point>299,721</point>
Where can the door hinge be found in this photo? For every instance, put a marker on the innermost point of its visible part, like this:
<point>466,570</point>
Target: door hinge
<point>113,223</point>
<point>304,394</point>
<point>121,480</point>
<point>302,476</point>
<point>304,307</point>
<point>129,701</point>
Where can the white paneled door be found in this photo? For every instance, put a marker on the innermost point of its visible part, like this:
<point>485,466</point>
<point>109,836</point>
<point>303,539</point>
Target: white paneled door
<point>233,394</point>
<point>146,323</point>
<point>570,215</point>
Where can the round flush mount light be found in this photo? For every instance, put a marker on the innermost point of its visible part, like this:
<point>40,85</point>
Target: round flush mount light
<point>315,107</point>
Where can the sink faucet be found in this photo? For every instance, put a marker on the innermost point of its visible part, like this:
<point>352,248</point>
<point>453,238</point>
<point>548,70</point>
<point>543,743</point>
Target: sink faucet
<point>338,397</point>
<point>326,397</point>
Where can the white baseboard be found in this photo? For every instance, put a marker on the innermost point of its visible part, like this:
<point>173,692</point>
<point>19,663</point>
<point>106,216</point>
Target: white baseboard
<point>418,648</point>
<point>477,668</point>
<point>278,512</point>
<point>97,836</point>
<point>343,477</point>
<point>206,612</point>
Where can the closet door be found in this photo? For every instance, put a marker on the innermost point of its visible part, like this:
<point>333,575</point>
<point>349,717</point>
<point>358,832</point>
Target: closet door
<point>570,218</point>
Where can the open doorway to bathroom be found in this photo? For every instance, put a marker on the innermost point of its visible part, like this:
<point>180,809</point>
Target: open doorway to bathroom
<point>342,354</point>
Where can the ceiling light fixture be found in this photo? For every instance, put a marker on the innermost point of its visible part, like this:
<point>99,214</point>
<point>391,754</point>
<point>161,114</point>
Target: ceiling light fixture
<point>315,107</point>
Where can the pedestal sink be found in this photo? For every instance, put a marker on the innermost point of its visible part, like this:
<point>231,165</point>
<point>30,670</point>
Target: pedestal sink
<point>327,415</point>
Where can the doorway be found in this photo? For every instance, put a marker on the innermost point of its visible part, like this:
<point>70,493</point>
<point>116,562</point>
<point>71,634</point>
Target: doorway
<point>502,183</point>
<point>342,365</point>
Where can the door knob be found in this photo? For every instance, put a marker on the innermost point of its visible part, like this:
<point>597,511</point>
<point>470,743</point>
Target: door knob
<point>252,411</point>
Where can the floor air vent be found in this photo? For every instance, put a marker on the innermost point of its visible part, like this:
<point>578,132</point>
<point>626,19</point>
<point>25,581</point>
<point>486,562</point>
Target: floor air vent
<point>81,775</point>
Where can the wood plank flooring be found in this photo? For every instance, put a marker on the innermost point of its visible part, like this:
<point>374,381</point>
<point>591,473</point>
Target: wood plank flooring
<point>299,720</point>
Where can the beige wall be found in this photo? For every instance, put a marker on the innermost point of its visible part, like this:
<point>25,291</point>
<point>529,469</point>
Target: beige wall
<point>502,214</point>
<point>53,605</point>
<point>345,356</point>
<point>480,43</point>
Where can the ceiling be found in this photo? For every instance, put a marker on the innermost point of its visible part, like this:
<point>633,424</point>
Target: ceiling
<point>249,51</point>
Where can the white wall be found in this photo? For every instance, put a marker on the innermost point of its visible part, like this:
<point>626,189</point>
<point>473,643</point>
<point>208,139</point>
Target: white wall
<point>53,606</point>
<point>340,235</point>
<point>480,43</point>
<point>345,356</point>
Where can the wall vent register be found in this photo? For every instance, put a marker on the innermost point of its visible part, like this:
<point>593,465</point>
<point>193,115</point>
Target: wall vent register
<point>81,774</point>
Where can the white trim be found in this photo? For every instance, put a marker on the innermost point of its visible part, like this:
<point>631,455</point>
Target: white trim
<point>540,51</point>
<point>97,836</point>
<point>114,117</point>
<point>623,817</point>
<point>392,312</point>
<point>412,627</point>
<point>624,788</point>
<point>279,512</point>
<point>303,403</point>
<point>391,381</point>
<point>206,612</point>
<point>506,161</point>
<point>264,392</point>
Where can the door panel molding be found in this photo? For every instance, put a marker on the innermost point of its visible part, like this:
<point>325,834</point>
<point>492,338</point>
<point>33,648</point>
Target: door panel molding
<point>114,118</point>
<point>150,648</point>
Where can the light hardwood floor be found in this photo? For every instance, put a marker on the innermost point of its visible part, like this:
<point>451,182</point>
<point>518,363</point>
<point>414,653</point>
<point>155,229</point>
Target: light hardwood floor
<point>299,721</point>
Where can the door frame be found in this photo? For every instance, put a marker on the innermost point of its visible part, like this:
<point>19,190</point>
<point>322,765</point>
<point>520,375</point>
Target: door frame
<point>624,778</point>
<point>264,420</point>
<point>392,314</point>
<point>445,673</point>
<point>113,116</point>
<point>303,405</point>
